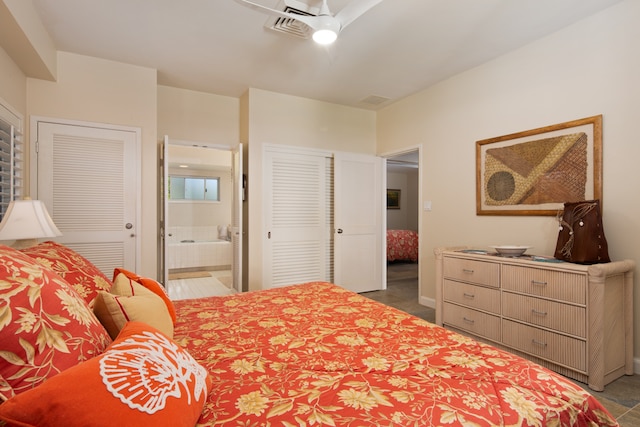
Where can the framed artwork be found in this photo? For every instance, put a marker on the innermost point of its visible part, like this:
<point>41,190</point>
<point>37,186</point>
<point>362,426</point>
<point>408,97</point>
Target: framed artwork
<point>536,171</point>
<point>393,199</point>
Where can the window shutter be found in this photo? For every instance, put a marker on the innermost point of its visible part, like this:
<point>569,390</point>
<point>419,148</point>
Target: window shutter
<point>11,158</point>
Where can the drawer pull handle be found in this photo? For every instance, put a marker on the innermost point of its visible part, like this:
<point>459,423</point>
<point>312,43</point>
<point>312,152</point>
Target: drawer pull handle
<point>470,296</point>
<point>467,270</point>
<point>471,321</point>
<point>538,283</point>
<point>539,343</point>
<point>539,313</point>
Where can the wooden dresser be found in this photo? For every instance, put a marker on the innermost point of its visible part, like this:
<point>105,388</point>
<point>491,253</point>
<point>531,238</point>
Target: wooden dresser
<point>574,319</point>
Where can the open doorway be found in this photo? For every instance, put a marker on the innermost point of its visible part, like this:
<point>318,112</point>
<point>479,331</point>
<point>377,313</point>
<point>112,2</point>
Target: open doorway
<point>402,225</point>
<point>200,220</point>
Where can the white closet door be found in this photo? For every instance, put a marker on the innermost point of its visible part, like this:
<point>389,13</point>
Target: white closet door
<point>88,178</point>
<point>358,246</point>
<point>295,219</point>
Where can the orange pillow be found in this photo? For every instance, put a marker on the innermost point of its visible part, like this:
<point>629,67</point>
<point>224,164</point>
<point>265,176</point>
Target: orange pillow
<point>150,284</point>
<point>144,378</point>
<point>45,326</point>
<point>79,272</point>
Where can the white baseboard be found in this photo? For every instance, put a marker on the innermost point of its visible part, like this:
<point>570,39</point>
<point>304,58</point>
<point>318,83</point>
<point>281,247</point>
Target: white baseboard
<point>429,302</point>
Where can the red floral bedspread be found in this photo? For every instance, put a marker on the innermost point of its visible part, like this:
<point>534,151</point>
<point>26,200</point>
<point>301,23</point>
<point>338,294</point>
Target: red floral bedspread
<point>402,245</point>
<point>316,354</point>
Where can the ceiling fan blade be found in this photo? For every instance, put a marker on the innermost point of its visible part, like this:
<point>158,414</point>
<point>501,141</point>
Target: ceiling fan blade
<point>354,10</point>
<point>309,20</point>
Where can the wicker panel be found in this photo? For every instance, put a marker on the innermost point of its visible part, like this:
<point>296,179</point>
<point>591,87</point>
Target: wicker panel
<point>471,271</point>
<point>476,322</point>
<point>482,298</point>
<point>558,285</point>
<point>614,325</point>
<point>569,319</point>
<point>563,370</point>
<point>554,347</point>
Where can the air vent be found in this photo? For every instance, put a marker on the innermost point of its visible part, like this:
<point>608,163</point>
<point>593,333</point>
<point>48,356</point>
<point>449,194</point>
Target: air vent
<point>374,100</point>
<point>288,25</point>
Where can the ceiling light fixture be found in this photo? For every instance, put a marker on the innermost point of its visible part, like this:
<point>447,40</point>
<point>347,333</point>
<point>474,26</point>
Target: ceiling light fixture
<point>326,31</point>
<point>324,37</point>
<point>325,26</point>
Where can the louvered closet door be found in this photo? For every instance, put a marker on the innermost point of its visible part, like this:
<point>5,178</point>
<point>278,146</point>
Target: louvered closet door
<point>295,219</point>
<point>88,178</point>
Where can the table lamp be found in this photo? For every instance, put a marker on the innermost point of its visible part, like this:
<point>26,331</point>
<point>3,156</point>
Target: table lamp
<point>25,222</point>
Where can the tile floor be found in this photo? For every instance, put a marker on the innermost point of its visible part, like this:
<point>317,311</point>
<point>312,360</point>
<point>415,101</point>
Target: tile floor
<point>199,287</point>
<point>621,397</point>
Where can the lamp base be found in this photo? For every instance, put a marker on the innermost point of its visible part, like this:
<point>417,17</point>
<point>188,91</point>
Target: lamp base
<point>24,243</point>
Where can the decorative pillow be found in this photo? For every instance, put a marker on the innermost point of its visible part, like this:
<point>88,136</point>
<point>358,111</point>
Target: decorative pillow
<point>6,391</point>
<point>78,271</point>
<point>125,288</point>
<point>114,311</point>
<point>144,378</point>
<point>45,326</point>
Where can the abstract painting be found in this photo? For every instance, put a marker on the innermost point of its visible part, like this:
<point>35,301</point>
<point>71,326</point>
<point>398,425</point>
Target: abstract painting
<point>535,172</point>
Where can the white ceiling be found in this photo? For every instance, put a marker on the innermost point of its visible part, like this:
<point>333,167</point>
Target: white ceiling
<point>218,46</point>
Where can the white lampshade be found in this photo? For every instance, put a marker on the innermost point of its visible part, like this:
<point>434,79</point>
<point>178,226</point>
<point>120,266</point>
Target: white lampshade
<point>27,219</point>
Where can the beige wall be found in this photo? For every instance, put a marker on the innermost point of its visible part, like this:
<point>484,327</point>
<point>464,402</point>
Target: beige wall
<point>588,69</point>
<point>288,120</point>
<point>196,116</point>
<point>12,84</point>
<point>97,90</point>
<point>405,218</point>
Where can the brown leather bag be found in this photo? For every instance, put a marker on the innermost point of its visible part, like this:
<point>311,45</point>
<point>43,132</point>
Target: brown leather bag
<point>581,237</point>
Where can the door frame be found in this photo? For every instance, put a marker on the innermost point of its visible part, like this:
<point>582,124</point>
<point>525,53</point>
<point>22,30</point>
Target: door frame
<point>167,140</point>
<point>428,302</point>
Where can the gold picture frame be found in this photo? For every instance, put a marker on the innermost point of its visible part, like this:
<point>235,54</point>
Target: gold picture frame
<point>393,199</point>
<point>536,171</point>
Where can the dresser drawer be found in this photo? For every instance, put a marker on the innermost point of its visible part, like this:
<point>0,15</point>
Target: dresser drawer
<point>569,319</point>
<point>472,271</point>
<point>482,298</point>
<point>554,347</point>
<point>558,285</point>
<point>476,322</point>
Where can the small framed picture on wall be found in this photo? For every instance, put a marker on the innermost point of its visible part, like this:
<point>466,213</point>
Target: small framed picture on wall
<point>393,199</point>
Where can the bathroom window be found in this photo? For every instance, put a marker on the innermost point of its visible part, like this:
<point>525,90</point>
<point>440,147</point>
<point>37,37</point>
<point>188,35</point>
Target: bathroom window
<point>194,188</point>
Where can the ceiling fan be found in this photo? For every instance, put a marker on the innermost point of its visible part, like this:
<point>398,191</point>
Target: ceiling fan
<point>325,26</point>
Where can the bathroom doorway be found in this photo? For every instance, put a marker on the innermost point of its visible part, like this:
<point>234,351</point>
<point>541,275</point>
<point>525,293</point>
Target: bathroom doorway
<point>202,235</point>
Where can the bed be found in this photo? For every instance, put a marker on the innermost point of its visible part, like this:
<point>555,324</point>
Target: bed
<point>317,354</point>
<point>79,349</point>
<point>402,245</point>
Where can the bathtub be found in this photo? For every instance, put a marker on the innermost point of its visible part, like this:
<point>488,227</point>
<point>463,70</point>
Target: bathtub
<point>194,253</point>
